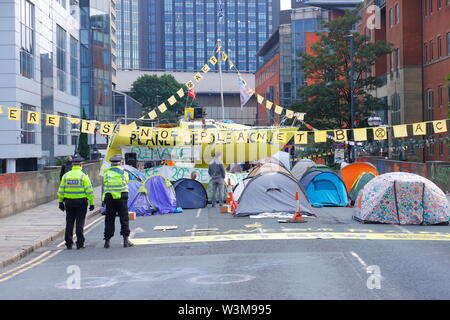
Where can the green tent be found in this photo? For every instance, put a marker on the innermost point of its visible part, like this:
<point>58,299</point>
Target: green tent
<point>360,182</point>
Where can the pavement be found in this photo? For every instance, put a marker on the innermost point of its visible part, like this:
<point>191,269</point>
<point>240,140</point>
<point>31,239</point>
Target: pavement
<point>25,232</point>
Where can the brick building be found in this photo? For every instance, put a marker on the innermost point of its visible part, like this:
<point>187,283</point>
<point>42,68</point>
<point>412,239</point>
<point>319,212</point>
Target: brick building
<point>414,73</point>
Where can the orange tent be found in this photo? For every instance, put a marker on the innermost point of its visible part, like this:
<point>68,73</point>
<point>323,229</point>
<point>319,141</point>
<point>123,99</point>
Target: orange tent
<point>352,171</point>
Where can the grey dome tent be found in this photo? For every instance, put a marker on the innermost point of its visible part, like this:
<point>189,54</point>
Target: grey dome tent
<point>272,191</point>
<point>301,167</point>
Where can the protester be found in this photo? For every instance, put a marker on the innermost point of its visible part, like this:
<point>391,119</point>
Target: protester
<point>216,171</point>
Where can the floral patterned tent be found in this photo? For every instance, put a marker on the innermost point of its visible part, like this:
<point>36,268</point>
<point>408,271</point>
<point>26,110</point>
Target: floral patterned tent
<point>402,198</point>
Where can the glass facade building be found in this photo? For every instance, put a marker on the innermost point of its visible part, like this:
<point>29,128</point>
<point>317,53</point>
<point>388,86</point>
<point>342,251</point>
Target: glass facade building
<point>182,35</point>
<point>95,60</point>
<point>127,21</point>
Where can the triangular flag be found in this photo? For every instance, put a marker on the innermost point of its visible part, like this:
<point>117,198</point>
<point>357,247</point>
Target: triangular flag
<point>74,120</point>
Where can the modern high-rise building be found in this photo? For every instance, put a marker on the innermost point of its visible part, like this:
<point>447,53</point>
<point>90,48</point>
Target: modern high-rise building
<point>127,22</point>
<point>39,71</point>
<point>182,35</point>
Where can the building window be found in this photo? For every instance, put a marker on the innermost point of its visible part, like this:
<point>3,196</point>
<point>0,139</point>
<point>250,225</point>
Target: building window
<point>390,18</point>
<point>62,3</point>
<point>425,51</point>
<point>73,66</point>
<point>431,6</point>
<point>61,45</point>
<point>448,42</point>
<point>62,129</point>
<point>441,96</point>
<point>429,103</point>
<point>26,38</point>
<point>397,14</point>
<point>396,113</point>
<point>28,133</point>
<point>439,42</point>
<point>431,50</point>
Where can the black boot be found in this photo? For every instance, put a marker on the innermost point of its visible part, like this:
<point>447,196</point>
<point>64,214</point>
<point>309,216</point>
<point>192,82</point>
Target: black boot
<point>106,244</point>
<point>127,243</point>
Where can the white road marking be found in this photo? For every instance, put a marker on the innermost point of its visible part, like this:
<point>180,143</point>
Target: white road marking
<point>360,260</point>
<point>193,232</point>
<point>402,228</point>
<point>198,213</point>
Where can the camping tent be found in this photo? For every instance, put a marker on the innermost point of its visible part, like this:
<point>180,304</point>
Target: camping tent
<point>161,194</point>
<point>237,190</point>
<point>300,168</point>
<point>268,167</point>
<point>138,199</point>
<point>190,194</point>
<point>352,171</point>
<point>273,192</point>
<point>359,184</point>
<point>134,173</point>
<point>402,198</point>
<point>324,189</point>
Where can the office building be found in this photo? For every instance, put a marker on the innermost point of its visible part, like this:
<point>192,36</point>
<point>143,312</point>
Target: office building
<point>39,71</point>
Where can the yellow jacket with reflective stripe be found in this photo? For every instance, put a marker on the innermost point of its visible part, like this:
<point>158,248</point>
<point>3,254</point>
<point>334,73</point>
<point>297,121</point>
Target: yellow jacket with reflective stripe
<point>115,181</point>
<point>75,184</point>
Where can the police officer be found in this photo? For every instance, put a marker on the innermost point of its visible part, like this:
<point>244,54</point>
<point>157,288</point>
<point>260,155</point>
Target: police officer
<point>74,193</point>
<point>115,196</point>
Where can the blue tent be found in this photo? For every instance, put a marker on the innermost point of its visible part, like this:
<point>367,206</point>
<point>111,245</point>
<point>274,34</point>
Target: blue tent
<point>161,194</point>
<point>134,173</point>
<point>325,189</point>
<point>138,199</point>
<point>190,194</point>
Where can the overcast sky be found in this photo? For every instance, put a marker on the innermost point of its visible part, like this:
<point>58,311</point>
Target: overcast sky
<point>285,4</point>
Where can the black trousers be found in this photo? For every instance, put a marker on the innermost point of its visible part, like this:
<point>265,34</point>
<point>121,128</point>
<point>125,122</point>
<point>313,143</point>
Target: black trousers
<point>119,207</point>
<point>76,210</point>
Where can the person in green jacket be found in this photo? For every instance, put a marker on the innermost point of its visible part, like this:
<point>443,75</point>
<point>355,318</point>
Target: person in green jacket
<point>74,194</point>
<point>115,197</point>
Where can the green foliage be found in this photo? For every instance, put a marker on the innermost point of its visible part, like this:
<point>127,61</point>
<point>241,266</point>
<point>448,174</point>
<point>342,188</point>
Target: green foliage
<point>327,100</point>
<point>83,146</point>
<point>151,91</point>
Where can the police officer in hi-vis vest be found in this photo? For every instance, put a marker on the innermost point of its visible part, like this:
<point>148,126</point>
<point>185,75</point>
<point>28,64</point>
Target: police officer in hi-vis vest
<point>74,193</point>
<point>115,196</point>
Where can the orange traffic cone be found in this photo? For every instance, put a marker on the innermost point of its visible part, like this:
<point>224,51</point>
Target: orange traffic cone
<point>298,218</point>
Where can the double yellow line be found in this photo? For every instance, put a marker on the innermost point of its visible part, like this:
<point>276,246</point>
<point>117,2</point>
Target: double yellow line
<point>47,255</point>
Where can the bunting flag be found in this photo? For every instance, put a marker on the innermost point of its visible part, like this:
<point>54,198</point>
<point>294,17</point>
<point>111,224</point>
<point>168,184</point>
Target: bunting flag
<point>360,134</point>
<point>278,109</point>
<point>88,126</point>
<point>269,105</point>
<point>14,114</point>
<point>213,60</point>
<point>440,126</point>
<point>260,99</point>
<point>301,137</point>
<point>180,93</point>
<point>206,68</point>
<point>152,114</point>
<point>1,109</point>
<point>224,56</point>
<point>400,131</point>
<point>320,136</point>
<point>172,100</point>
<point>340,135</point>
<point>52,121</point>
<point>74,120</point>
<point>198,77</point>
<point>289,114</point>
<point>380,133</point>
<point>106,128</point>
<point>245,95</point>
<point>162,107</point>
<point>419,129</point>
<point>33,117</point>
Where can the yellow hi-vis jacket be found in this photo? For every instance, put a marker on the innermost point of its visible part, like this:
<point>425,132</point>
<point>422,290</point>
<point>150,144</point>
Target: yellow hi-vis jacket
<point>115,181</point>
<point>75,184</point>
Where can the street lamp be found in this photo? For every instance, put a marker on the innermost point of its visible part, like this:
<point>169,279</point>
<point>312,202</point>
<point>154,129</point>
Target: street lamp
<point>75,132</point>
<point>352,96</point>
<point>95,155</point>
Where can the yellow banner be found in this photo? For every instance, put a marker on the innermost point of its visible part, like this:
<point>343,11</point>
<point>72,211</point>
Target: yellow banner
<point>14,114</point>
<point>360,134</point>
<point>301,137</point>
<point>419,129</point>
<point>279,137</point>
<point>241,137</point>
<point>74,120</point>
<point>52,121</point>
<point>106,128</point>
<point>164,134</point>
<point>278,109</point>
<point>145,133</point>
<point>162,107</point>
<point>400,131</point>
<point>33,117</point>
<point>125,130</point>
<point>379,133</point>
<point>340,135</point>
<point>320,136</point>
<point>440,126</point>
<point>88,126</point>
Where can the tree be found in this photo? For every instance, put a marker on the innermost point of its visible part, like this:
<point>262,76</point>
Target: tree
<point>327,96</point>
<point>151,91</point>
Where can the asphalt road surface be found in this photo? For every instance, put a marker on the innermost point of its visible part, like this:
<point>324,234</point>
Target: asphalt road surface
<point>329,257</point>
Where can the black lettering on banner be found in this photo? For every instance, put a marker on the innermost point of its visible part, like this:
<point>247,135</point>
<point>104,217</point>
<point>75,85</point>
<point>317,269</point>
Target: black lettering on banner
<point>261,136</point>
<point>340,135</point>
<point>13,114</point>
<point>251,137</point>
<point>51,120</point>
<point>144,132</point>
<point>133,138</point>
<point>418,128</point>
<point>32,116</point>
<point>380,133</point>
<point>106,128</point>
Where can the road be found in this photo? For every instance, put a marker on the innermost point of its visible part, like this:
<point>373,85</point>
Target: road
<point>329,257</point>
